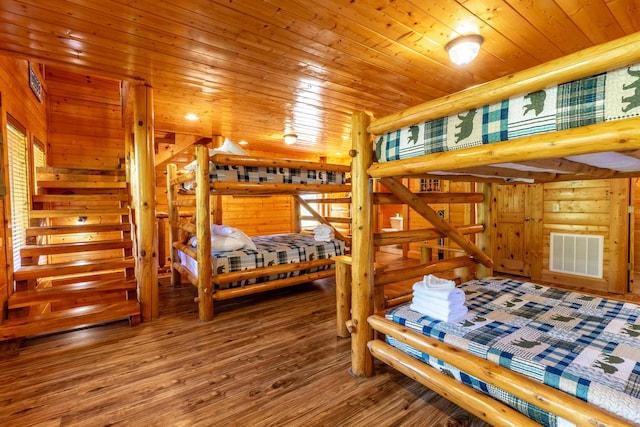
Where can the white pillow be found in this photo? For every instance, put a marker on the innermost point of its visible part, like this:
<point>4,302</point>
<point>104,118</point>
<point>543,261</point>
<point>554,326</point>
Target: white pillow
<point>220,243</point>
<point>225,230</point>
<point>228,147</point>
<point>191,167</point>
<point>225,243</point>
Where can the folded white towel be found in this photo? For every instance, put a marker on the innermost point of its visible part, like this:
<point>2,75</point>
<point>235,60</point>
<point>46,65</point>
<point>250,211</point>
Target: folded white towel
<point>454,315</point>
<point>434,282</point>
<point>456,302</point>
<point>441,296</point>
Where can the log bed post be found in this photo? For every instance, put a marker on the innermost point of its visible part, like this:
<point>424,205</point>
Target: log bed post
<point>145,212</point>
<point>484,217</point>
<point>362,245</point>
<point>203,231</point>
<point>172,196</point>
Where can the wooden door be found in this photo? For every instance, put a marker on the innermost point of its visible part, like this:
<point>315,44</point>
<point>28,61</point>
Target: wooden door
<point>517,246</point>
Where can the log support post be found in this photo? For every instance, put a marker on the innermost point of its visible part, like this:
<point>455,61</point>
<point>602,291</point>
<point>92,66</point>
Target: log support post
<point>362,249</point>
<point>145,205</point>
<point>485,218</point>
<point>203,231</point>
<point>343,294</point>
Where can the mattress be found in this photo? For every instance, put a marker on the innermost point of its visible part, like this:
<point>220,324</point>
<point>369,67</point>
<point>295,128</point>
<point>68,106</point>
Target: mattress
<point>584,345</point>
<point>271,250</point>
<point>225,173</point>
<point>604,97</point>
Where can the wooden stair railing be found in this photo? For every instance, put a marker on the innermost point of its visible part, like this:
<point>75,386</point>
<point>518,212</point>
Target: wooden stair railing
<point>77,267</point>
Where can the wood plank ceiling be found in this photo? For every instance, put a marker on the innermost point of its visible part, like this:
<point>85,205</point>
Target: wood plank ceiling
<point>255,70</point>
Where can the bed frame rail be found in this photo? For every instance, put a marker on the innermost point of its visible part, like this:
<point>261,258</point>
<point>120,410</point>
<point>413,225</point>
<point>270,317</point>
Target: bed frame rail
<point>545,397</point>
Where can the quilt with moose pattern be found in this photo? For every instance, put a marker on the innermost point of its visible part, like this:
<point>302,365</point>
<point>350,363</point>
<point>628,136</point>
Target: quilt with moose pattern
<point>604,97</point>
<point>584,345</point>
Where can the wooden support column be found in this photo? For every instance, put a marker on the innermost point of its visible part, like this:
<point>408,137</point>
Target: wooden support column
<point>216,199</point>
<point>203,231</point>
<point>343,294</point>
<point>174,230</point>
<point>362,250</point>
<point>145,195</point>
<point>619,218</point>
<point>484,216</point>
<point>406,196</point>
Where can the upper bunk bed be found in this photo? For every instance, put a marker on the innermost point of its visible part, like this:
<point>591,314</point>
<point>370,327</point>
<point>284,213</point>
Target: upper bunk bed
<point>574,118</point>
<point>207,254</point>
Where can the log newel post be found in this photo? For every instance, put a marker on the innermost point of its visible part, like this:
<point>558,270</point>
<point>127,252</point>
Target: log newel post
<point>145,205</point>
<point>362,249</point>
<point>203,231</point>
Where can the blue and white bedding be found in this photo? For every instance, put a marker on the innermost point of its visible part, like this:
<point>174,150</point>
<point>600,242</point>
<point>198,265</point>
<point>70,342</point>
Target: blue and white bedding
<point>271,250</point>
<point>584,345</point>
<point>613,95</point>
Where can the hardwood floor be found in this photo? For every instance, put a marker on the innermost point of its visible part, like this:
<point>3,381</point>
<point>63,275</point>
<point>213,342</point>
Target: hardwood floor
<point>265,360</point>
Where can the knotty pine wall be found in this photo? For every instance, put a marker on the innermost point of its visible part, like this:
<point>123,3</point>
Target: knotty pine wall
<point>594,207</point>
<point>85,121</point>
<point>17,100</point>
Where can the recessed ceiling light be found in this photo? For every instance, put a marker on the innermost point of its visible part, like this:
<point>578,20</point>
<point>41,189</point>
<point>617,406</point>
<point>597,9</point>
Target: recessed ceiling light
<point>191,116</point>
<point>243,142</point>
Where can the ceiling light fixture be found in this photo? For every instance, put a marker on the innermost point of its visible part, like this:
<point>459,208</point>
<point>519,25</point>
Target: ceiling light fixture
<point>290,138</point>
<point>464,49</point>
<point>191,116</point>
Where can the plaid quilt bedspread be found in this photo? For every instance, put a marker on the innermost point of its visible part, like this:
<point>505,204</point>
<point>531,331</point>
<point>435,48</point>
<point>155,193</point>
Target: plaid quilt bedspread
<point>225,173</point>
<point>274,249</point>
<point>583,345</point>
<point>604,97</point>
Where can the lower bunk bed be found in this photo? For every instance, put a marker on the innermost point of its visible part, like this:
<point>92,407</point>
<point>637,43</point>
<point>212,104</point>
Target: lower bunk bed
<point>531,354</point>
<point>269,262</point>
<point>516,337</point>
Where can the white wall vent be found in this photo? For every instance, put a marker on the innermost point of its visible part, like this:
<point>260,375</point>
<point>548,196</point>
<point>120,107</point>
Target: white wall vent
<point>578,254</point>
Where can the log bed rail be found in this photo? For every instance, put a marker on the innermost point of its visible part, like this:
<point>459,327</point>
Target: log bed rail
<point>207,207</point>
<point>551,148</point>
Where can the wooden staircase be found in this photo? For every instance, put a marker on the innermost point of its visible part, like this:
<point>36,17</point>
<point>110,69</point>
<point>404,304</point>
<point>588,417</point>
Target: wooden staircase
<point>77,267</point>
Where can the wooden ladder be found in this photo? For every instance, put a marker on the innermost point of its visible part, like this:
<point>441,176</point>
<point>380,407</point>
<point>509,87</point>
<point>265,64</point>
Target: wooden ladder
<point>77,267</point>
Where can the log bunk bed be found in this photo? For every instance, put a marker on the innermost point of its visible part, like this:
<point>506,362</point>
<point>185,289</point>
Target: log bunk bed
<point>405,339</point>
<point>279,260</point>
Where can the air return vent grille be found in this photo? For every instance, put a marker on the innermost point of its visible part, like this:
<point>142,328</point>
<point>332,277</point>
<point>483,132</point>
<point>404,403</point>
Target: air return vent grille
<point>576,254</point>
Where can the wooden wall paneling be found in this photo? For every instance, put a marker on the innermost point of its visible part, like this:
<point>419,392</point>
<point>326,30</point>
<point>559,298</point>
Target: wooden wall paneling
<point>86,117</point>
<point>618,273</point>
<point>636,221</point>
<point>577,207</point>
<point>486,215</point>
<point>534,210</point>
<point>16,99</point>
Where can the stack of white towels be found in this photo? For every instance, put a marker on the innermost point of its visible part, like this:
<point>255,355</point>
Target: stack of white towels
<point>438,298</point>
<point>324,233</point>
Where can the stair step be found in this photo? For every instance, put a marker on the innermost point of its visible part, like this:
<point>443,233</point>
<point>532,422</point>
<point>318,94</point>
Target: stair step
<point>79,198</point>
<point>63,248</point>
<point>28,272</point>
<point>73,229</point>
<point>82,184</point>
<point>64,213</point>
<point>68,319</point>
<point>71,290</point>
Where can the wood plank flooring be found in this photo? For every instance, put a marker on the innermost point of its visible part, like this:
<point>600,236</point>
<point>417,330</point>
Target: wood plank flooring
<point>265,360</point>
